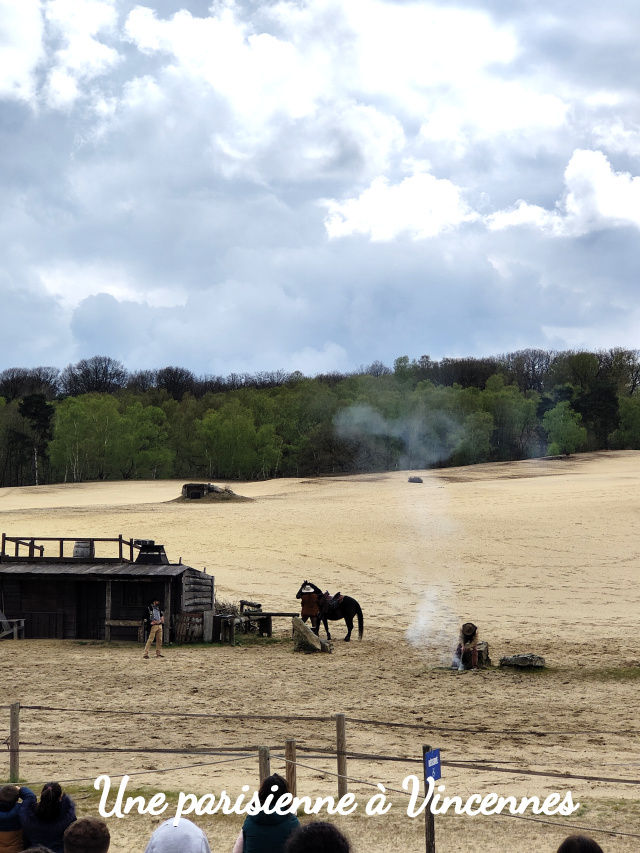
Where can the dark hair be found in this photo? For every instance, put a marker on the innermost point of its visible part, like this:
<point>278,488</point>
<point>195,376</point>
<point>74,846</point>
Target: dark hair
<point>87,835</point>
<point>579,844</point>
<point>48,808</point>
<point>317,837</point>
<point>274,781</point>
<point>9,794</point>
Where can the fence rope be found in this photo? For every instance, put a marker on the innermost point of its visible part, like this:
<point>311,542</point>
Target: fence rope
<point>330,719</point>
<point>483,730</point>
<point>147,772</point>
<point>355,756</point>
<point>283,717</point>
<point>468,765</point>
<point>518,817</point>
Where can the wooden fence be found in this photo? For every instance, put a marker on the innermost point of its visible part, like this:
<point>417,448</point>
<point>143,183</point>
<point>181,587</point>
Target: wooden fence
<point>292,762</point>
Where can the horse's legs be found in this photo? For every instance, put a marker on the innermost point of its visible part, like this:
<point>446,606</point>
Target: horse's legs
<point>326,627</point>
<point>349,620</point>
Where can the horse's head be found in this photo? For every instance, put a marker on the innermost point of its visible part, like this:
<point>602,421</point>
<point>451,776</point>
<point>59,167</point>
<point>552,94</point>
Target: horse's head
<point>305,588</point>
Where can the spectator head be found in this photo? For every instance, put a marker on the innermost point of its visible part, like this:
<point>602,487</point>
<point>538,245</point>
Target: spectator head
<point>9,795</point>
<point>317,837</point>
<point>185,837</point>
<point>87,835</point>
<point>274,781</point>
<point>37,849</point>
<point>579,844</point>
<point>48,808</point>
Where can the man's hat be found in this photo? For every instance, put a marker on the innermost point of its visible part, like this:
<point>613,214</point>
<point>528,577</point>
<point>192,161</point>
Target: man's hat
<point>469,629</point>
<point>307,588</point>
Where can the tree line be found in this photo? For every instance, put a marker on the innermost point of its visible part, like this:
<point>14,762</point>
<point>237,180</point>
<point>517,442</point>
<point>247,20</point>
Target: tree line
<point>96,420</point>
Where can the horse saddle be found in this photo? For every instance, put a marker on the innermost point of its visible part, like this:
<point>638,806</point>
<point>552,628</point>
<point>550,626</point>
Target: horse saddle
<point>329,602</point>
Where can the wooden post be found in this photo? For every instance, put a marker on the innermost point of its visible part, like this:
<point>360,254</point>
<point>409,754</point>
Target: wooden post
<point>264,764</point>
<point>107,613</point>
<point>120,547</point>
<point>429,820</point>
<point>290,758</point>
<point>4,540</point>
<point>167,611</point>
<point>14,742</point>
<point>341,749</point>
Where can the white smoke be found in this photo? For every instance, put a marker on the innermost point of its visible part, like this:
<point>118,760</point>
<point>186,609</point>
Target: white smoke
<point>422,438</point>
<point>436,626</point>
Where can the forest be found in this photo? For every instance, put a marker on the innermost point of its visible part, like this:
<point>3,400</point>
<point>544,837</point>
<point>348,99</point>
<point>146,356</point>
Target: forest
<point>95,420</point>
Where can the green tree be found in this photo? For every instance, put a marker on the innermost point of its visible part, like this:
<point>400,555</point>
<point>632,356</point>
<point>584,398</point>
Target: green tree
<point>564,430</point>
<point>141,447</point>
<point>38,416</point>
<point>628,435</point>
<point>233,447</point>
<point>86,433</point>
<point>475,444</point>
<point>514,418</point>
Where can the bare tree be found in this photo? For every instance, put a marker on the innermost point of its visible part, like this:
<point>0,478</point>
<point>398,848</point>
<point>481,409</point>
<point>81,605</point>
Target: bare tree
<point>100,374</point>
<point>176,381</point>
<point>16,382</point>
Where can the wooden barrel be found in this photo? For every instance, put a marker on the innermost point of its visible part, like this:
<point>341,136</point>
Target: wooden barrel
<point>84,549</point>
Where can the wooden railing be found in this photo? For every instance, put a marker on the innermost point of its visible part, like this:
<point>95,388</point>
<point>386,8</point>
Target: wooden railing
<point>36,551</point>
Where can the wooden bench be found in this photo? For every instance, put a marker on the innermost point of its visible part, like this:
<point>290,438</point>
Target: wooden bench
<point>11,627</point>
<point>264,619</point>
<point>124,623</point>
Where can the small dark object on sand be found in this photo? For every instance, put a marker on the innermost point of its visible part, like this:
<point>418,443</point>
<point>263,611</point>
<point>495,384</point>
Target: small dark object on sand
<point>415,479</point>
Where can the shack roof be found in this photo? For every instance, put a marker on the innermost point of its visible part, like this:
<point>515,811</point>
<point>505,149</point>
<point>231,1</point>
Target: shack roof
<point>132,570</point>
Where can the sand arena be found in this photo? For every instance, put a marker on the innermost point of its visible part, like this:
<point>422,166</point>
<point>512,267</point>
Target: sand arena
<point>542,555</point>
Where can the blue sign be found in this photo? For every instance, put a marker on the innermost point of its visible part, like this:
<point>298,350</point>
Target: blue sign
<point>432,765</point>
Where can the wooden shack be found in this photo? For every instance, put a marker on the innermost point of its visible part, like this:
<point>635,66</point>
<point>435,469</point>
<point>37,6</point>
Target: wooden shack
<point>102,597</point>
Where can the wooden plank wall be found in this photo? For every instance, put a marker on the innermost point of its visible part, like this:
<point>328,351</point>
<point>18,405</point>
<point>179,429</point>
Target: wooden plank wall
<point>10,597</point>
<point>198,590</point>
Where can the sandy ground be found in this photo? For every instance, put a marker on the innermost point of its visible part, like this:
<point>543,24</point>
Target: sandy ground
<point>542,555</point>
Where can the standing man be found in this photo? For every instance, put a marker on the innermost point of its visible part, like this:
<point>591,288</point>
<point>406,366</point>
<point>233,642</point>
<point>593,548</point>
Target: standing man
<point>156,623</point>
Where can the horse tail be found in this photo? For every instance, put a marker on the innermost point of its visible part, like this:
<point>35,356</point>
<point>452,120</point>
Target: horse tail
<point>360,620</point>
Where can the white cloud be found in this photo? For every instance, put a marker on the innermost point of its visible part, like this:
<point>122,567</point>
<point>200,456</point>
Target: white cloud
<point>327,69</point>
<point>258,73</point>
<point>21,49</point>
<point>70,283</point>
<point>618,138</point>
<point>488,108</point>
<point>596,197</point>
<point>81,56</point>
<point>421,206</point>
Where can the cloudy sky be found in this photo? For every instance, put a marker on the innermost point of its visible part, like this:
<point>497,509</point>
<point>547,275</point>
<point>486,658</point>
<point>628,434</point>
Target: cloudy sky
<point>316,184</point>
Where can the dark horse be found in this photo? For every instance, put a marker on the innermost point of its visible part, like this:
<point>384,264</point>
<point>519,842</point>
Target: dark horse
<point>320,607</point>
